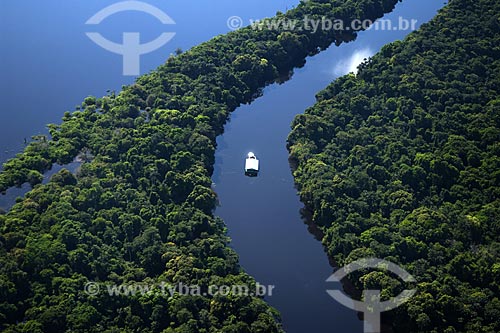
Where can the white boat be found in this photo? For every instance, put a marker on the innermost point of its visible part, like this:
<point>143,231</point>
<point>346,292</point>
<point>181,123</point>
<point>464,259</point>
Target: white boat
<point>251,165</point>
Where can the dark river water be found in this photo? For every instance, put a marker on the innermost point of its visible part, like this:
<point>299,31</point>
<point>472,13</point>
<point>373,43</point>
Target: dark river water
<point>49,65</point>
<point>263,213</point>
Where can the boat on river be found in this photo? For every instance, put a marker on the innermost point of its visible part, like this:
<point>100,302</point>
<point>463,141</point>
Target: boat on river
<point>251,165</point>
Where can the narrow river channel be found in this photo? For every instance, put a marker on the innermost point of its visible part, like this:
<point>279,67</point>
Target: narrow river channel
<point>263,213</point>
<point>49,65</point>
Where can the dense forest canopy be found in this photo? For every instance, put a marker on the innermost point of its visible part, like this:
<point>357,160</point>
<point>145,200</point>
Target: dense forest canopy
<point>402,162</point>
<point>140,208</point>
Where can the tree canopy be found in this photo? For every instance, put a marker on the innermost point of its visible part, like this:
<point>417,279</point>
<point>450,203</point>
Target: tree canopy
<point>401,161</point>
<point>140,208</point>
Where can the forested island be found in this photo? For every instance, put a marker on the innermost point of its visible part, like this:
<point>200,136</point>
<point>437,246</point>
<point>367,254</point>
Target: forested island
<point>402,161</point>
<point>141,207</point>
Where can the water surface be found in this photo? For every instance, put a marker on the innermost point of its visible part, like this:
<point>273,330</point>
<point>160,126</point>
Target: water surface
<point>262,213</point>
<point>48,66</point>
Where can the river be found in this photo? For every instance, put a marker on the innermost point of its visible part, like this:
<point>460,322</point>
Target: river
<point>263,213</point>
<point>48,66</point>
